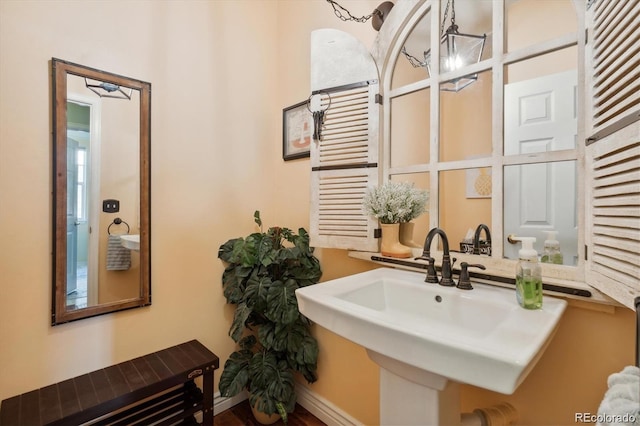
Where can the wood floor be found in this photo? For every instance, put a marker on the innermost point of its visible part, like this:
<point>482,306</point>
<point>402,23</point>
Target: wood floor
<point>240,415</point>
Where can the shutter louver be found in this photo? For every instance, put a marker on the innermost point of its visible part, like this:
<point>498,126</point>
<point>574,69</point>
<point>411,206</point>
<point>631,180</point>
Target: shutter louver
<point>616,65</point>
<point>345,132</point>
<point>344,160</point>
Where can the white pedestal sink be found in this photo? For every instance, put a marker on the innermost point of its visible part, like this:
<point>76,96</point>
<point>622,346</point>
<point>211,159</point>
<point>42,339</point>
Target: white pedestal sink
<point>428,338</point>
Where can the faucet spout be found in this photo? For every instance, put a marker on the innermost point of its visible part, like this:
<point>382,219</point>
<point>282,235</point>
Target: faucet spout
<point>476,238</point>
<point>446,259</point>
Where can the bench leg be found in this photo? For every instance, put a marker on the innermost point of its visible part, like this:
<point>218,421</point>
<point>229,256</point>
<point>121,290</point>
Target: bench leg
<point>207,398</point>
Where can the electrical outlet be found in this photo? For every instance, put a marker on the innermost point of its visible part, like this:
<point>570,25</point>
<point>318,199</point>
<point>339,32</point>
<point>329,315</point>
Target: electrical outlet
<point>111,206</point>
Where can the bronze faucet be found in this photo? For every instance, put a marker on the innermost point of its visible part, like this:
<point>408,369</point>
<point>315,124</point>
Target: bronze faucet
<point>476,238</point>
<point>432,276</point>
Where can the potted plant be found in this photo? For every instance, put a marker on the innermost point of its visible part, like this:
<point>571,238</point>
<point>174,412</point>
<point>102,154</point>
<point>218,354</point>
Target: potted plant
<point>393,204</point>
<point>261,275</point>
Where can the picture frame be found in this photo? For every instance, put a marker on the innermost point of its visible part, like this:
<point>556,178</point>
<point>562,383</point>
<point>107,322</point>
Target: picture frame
<point>297,130</point>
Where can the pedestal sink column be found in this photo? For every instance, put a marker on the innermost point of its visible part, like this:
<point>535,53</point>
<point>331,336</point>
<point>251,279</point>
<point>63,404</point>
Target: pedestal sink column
<point>410,396</point>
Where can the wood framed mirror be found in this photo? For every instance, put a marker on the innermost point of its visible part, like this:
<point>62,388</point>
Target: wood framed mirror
<point>101,166</point>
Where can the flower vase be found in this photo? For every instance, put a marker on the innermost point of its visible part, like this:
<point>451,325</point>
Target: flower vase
<point>390,245</point>
<point>406,235</point>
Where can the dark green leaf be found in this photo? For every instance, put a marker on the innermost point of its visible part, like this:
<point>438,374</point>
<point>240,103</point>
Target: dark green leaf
<point>235,375</point>
<point>239,320</point>
<point>248,342</point>
<point>256,218</point>
<point>255,293</point>
<point>226,250</point>
<point>282,306</point>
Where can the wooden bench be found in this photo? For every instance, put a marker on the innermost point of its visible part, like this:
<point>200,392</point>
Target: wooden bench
<point>154,389</point>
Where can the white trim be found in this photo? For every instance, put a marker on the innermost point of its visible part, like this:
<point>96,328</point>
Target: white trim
<point>223,403</point>
<point>320,407</point>
<point>323,409</point>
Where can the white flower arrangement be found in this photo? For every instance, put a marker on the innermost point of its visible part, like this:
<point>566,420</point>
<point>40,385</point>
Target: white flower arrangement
<point>395,202</point>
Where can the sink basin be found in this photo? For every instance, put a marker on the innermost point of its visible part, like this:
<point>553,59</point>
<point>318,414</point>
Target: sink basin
<point>481,337</point>
<point>132,242</point>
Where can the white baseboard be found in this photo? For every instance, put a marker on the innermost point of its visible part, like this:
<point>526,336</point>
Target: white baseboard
<point>222,403</point>
<point>324,409</point>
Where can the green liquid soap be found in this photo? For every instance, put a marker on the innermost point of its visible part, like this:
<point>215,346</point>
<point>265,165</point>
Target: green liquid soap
<point>528,276</point>
<point>529,292</point>
<point>555,258</point>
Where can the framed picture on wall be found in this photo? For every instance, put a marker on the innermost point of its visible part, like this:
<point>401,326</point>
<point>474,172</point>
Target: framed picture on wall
<point>297,128</point>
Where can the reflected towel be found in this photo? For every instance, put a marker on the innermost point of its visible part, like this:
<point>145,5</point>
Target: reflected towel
<point>118,257</point>
<point>621,403</point>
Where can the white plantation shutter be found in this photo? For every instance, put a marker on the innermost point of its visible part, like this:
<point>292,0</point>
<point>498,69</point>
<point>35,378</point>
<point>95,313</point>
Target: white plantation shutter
<point>613,150</point>
<point>345,159</point>
<point>614,55</point>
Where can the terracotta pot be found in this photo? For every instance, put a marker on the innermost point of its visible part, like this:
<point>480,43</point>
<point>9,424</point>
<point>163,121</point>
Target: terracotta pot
<point>390,245</point>
<point>264,419</point>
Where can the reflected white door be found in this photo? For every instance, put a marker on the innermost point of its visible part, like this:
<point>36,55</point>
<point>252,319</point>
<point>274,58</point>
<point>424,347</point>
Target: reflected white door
<point>72,216</point>
<point>540,115</point>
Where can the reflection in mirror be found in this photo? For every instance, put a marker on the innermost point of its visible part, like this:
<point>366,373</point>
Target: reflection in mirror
<point>421,223</point>
<point>523,18</point>
<point>538,198</point>
<point>466,121</point>
<point>540,104</point>
<point>101,192</point>
<point>410,123</point>
<point>405,70</point>
<point>465,203</point>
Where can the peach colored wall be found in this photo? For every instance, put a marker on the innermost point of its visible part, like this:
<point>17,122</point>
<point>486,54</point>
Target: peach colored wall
<point>221,73</point>
<point>215,148</point>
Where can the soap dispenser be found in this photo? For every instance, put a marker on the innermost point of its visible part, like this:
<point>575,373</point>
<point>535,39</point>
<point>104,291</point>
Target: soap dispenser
<point>552,253</point>
<point>528,276</point>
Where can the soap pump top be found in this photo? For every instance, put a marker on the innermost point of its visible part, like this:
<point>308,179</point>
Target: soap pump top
<point>551,240</point>
<point>527,252</point>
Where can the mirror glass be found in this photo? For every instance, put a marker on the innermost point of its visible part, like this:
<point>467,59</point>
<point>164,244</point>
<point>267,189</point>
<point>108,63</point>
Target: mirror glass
<point>540,119</point>
<point>538,198</point>
<point>421,223</point>
<point>466,121</point>
<point>407,69</point>
<point>101,134</point>
<point>411,123</point>
<point>465,203</point>
<point>539,125</point>
<point>523,18</point>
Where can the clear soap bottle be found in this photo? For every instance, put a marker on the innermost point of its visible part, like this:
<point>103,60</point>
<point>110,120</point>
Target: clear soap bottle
<point>528,276</point>
<point>552,253</point>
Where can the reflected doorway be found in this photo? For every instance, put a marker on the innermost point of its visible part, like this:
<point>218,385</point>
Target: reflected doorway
<point>81,288</point>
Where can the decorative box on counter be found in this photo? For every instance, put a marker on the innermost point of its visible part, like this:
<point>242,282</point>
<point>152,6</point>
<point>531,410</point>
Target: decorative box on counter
<point>484,246</point>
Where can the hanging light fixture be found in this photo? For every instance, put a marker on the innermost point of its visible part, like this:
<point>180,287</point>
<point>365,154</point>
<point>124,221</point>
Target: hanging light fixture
<point>457,50</point>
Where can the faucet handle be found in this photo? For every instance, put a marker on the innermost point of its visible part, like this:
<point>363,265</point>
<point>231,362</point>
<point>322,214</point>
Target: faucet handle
<point>432,277</point>
<point>465,282</point>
